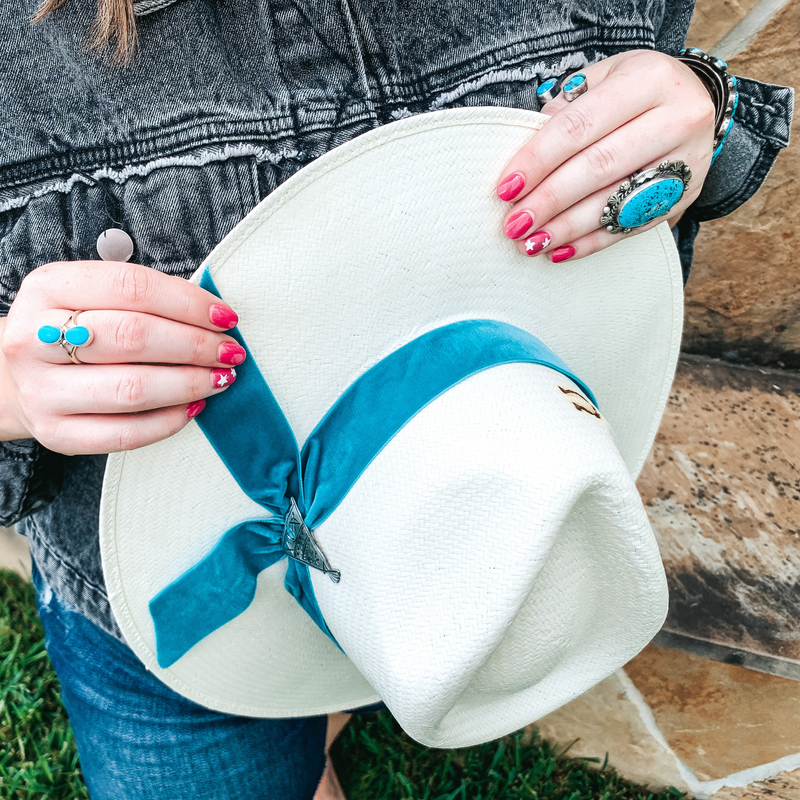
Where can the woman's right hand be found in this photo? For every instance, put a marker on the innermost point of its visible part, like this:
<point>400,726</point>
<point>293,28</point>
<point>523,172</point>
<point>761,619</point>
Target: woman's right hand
<point>158,350</point>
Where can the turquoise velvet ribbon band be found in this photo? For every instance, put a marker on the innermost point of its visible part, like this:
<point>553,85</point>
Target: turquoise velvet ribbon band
<point>251,435</point>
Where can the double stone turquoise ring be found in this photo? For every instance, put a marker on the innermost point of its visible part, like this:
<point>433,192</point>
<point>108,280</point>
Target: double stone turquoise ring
<point>646,195</point>
<point>574,87</point>
<point>70,336</point>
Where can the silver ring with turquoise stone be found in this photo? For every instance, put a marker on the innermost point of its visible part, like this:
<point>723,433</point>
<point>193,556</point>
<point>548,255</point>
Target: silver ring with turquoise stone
<point>645,196</point>
<point>575,87</point>
<point>548,90</point>
<point>70,336</point>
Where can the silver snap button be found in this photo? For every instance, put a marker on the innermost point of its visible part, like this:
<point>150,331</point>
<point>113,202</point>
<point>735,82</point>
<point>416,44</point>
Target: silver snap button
<point>114,245</point>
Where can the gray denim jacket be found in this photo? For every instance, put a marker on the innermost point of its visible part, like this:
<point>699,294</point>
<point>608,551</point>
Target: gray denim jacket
<point>223,102</point>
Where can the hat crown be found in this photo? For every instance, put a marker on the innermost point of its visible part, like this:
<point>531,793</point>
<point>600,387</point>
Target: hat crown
<point>529,553</point>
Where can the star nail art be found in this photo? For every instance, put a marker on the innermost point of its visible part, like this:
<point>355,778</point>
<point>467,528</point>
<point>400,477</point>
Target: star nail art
<point>537,242</point>
<point>222,377</point>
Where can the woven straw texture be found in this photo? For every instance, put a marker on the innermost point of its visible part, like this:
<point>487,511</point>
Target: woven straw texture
<point>496,559</point>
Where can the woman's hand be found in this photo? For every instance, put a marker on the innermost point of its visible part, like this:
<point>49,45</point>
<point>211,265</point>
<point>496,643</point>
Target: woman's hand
<point>641,108</point>
<point>125,394</point>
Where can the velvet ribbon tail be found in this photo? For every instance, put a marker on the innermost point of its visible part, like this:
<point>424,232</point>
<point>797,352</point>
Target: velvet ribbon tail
<point>215,590</point>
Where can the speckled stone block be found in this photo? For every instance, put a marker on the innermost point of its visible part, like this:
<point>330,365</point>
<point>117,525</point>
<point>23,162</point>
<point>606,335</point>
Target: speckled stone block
<point>743,297</point>
<point>722,490</point>
<point>781,787</point>
<point>714,19</point>
<point>717,718</point>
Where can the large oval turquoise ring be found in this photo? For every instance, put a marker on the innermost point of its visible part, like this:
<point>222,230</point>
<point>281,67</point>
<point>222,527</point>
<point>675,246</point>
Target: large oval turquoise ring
<point>646,196</point>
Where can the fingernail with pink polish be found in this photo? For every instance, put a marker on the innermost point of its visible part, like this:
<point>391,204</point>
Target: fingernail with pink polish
<point>222,316</point>
<point>231,353</point>
<point>519,224</point>
<point>562,253</point>
<point>193,409</point>
<point>511,187</point>
<point>537,242</point>
<point>221,378</point>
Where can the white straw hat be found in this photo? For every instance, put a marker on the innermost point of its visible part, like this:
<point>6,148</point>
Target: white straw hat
<point>495,558</point>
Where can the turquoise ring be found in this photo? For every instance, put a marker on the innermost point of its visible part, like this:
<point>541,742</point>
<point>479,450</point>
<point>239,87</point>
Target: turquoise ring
<point>70,336</point>
<point>646,196</point>
<point>575,87</point>
<point>548,90</point>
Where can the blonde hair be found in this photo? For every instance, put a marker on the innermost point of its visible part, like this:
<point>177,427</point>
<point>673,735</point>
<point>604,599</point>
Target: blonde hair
<point>115,21</point>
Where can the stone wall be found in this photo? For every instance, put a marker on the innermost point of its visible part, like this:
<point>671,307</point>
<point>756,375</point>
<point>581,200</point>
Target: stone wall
<point>743,297</point>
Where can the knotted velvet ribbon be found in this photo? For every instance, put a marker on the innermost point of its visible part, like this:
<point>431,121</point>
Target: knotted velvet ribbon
<point>251,435</point>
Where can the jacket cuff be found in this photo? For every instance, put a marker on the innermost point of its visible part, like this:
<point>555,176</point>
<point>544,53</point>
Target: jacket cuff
<point>30,478</point>
<point>760,130</point>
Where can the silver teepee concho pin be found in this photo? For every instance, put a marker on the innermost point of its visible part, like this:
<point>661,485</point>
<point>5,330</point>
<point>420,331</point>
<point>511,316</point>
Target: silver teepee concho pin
<point>298,543</point>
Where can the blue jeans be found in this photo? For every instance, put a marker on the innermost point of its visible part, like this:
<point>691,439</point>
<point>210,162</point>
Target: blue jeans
<point>138,739</point>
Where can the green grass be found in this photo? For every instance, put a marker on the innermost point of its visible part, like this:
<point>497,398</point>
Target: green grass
<point>374,758</point>
<point>37,750</point>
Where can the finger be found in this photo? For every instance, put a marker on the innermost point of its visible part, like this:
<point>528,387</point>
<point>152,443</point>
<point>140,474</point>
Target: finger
<point>577,232</point>
<point>116,389</point>
<point>93,285</point>
<point>574,126</point>
<point>580,220</point>
<point>122,337</point>
<point>610,160</point>
<point>593,242</point>
<point>113,433</point>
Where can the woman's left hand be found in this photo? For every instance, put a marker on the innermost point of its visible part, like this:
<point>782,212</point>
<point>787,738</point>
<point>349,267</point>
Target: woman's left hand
<point>641,108</point>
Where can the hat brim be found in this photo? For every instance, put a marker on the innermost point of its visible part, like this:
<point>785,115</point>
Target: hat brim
<point>388,236</point>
